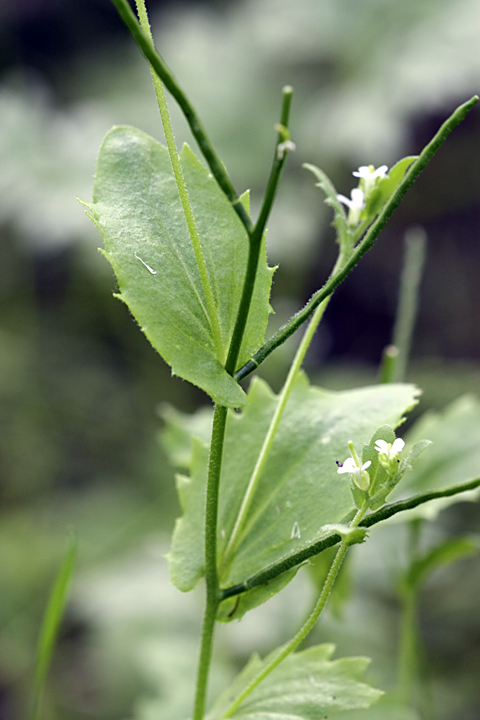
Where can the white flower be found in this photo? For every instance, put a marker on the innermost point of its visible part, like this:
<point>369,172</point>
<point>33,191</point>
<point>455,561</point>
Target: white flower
<point>355,205</point>
<point>368,171</point>
<point>369,176</point>
<point>389,449</point>
<point>359,473</point>
<point>388,453</point>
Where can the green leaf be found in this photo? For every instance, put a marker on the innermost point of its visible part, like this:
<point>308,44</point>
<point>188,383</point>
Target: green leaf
<point>180,428</point>
<point>387,708</point>
<point>234,608</point>
<point>299,491</point>
<point>340,218</point>
<point>452,459</point>
<point>187,556</point>
<point>306,686</point>
<point>386,187</point>
<point>51,624</point>
<point>137,210</point>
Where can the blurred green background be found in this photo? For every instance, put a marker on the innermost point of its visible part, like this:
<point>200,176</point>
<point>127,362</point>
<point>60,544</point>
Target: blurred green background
<point>80,387</point>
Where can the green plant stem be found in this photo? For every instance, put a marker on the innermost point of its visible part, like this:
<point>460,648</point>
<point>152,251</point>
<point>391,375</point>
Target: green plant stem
<point>285,392</point>
<point>211,312</point>
<point>300,556</point>
<point>415,250</point>
<point>272,431</point>
<point>308,625</point>
<point>388,365</point>
<point>408,657</point>
<point>256,236</point>
<point>368,241</point>
<point>144,42</point>
<point>211,576</point>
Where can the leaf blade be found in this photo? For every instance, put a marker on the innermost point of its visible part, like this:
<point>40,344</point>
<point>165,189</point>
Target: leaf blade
<point>306,686</point>
<point>137,210</point>
<point>51,623</point>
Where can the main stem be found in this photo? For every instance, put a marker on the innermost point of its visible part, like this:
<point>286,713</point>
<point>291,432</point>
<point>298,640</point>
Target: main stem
<point>220,412</point>
<point>211,577</point>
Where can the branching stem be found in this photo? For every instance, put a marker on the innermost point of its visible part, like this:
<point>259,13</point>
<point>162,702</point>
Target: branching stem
<point>300,556</point>
<point>273,427</point>
<point>289,647</point>
<point>211,576</point>
<point>333,282</point>
<point>256,235</point>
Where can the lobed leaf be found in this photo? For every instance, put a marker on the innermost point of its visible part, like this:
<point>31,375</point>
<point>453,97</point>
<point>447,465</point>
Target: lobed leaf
<point>137,210</point>
<point>180,428</point>
<point>187,556</point>
<point>389,707</point>
<point>299,491</point>
<point>306,686</point>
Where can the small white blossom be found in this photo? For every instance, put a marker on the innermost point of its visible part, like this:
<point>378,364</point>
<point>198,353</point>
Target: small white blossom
<point>388,453</point>
<point>359,473</point>
<point>369,176</point>
<point>355,205</point>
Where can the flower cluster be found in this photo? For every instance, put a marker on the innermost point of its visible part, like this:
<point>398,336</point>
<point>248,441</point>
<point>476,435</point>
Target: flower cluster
<point>355,205</point>
<point>355,469</point>
<point>369,176</point>
<point>359,196</point>
<point>387,456</point>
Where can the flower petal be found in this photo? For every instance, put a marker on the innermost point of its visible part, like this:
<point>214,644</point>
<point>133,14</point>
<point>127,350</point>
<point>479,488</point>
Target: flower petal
<point>344,200</point>
<point>381,446</point>
<point>381,171</point>
<point>398,445</point>
<point>363,171</point>
<point>358,198</point>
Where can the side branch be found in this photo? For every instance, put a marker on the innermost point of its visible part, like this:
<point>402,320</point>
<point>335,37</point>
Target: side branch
<point>333,282</point>
<point>315,548</point>
<point>282,146</point>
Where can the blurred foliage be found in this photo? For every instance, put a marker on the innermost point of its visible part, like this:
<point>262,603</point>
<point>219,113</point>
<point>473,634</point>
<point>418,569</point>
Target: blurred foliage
<point>79,384</point>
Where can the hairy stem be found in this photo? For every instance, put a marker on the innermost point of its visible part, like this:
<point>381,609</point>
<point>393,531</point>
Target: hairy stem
<point>314,548</point>
<point>256,235</point>
<point>368,241</point>
<point>274,424</point>
<point>271,433</point>
<point>211,576</point>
